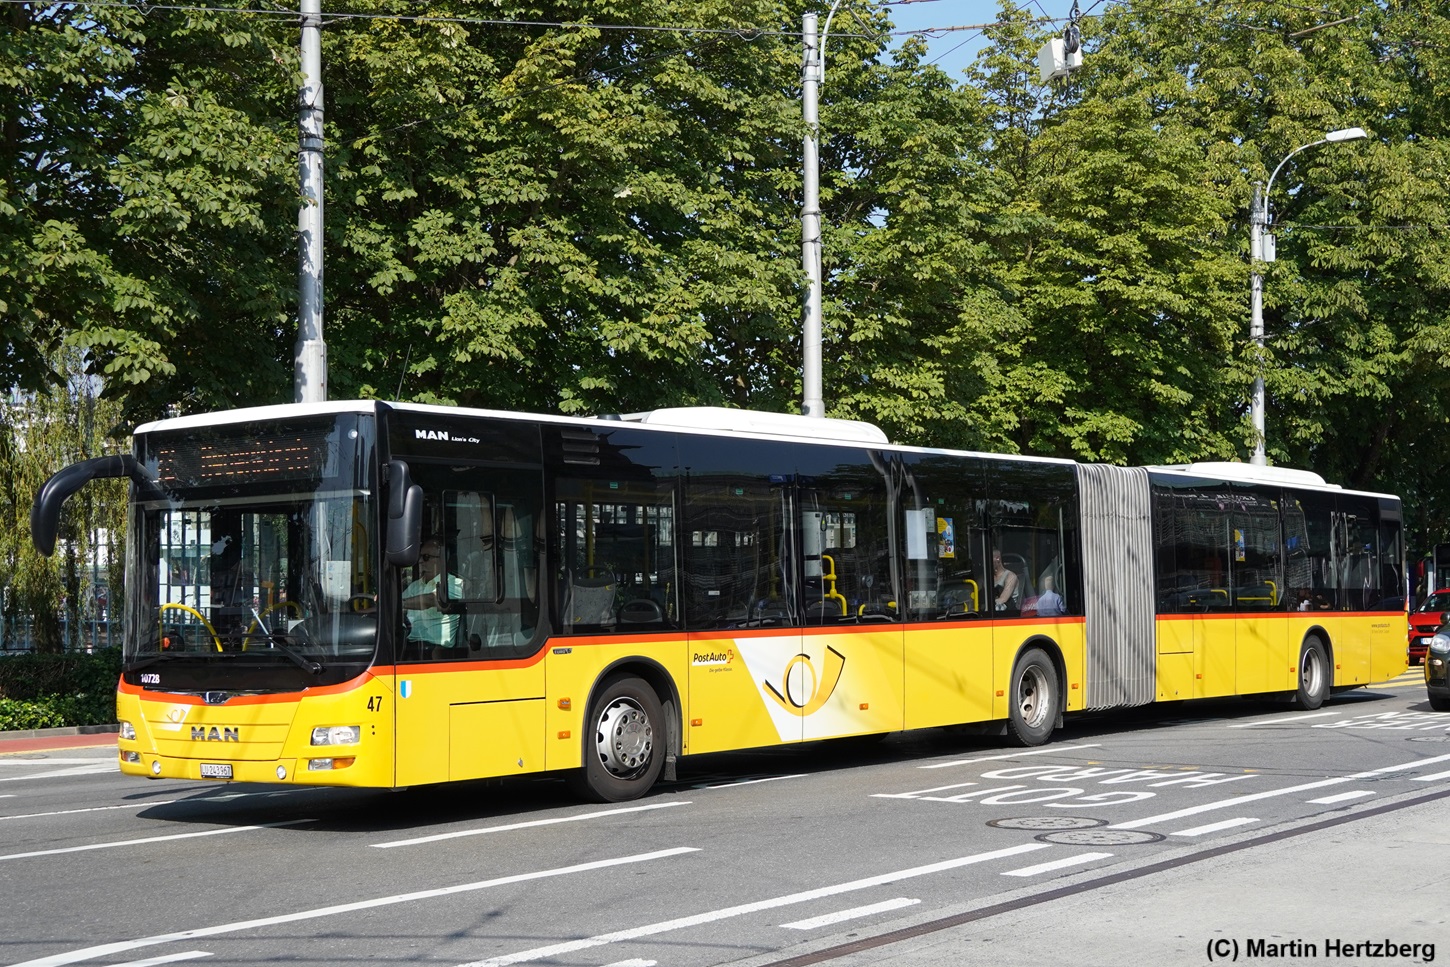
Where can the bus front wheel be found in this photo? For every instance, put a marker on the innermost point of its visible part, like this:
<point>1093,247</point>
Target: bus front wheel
<point>624,743</point>
<point>1313,675</point>
<point>1034,699</point>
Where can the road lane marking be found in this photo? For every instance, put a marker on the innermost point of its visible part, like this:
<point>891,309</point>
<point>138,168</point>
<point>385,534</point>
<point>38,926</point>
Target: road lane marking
<point>152,839</point>
<point>168,959</point>
<point>840,916</point>
<point>680,923</point>
<point>525,825</point>
<point>57,760</point>
<point>1255,797</point>
<point>90,809</point>
<point>1012,755</point>
<point>1282,720</point>
<point>751,782</point>
<point>91,770</point>
<point>1340,797</point>
<point>1215,827</point>
<point>918,794</point>
<point>121,946</point>
<point>636,962</point>
<point>1063,863</point>
<point>1432,778</point>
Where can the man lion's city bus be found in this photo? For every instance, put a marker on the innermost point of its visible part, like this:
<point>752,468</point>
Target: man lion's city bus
<point>614,593</point>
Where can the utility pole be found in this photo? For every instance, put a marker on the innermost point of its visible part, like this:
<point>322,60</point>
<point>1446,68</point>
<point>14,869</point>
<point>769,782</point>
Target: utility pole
<point>310,373</point>
<point>1258,218</point>
<point>811,403</point>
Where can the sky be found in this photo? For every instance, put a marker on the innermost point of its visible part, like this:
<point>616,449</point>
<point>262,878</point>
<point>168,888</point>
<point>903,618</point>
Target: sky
<point>953,50</point>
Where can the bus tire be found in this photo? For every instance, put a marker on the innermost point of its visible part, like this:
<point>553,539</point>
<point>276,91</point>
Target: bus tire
<point>1033,700</point>
<point>624,742</point>
<point>1313,675</point>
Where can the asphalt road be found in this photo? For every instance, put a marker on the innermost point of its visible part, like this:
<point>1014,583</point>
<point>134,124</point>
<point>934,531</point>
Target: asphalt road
<point>1141,837</point>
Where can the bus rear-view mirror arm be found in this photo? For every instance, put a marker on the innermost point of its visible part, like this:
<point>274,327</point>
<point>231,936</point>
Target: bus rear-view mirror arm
<point>45,511</point>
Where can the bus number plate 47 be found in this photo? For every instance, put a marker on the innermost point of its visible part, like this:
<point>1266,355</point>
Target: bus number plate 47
<point>216,770</point>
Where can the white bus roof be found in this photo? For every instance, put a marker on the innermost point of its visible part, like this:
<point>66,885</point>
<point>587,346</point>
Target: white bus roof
<point>753,421</point>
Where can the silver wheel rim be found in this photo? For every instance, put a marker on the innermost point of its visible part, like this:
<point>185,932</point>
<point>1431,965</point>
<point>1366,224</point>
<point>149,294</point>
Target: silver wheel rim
<point>1032,697</point>
<point>1311,672</point>
<point>624,739</point>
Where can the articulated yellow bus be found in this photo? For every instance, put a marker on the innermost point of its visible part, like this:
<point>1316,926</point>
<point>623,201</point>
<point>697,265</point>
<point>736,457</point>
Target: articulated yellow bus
<point>388,595</point>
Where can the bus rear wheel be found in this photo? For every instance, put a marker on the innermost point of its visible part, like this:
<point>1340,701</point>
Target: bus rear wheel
<point>624,743</point>
<point>1313,675</point>
<point>1034,699</point>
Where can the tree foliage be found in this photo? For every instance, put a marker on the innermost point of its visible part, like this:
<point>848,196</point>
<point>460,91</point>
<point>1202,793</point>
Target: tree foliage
<point>594,217</point>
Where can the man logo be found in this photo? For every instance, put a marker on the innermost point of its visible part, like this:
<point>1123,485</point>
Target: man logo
<point>805,692</point>
<point>200,733</point>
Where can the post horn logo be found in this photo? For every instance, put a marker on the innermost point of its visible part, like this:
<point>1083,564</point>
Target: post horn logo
<point>805,691</point>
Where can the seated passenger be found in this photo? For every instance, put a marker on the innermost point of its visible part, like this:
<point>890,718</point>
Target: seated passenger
<point>1049,602</point>
<point>1005,587</point>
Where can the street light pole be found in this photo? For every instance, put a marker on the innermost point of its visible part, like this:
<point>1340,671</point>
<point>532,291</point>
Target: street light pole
<point>1259,220</point>
<point>812,73</point>
<point>310,354</point>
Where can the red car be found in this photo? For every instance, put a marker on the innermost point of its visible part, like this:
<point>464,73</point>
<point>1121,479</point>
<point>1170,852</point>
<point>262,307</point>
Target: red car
<point>1424,621</point>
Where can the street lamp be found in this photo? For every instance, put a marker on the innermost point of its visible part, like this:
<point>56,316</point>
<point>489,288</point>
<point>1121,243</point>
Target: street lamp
<point>1258,221</point>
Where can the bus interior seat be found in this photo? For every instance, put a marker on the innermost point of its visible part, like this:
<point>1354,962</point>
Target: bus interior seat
<point>589,602</point>
<point>641,611</point>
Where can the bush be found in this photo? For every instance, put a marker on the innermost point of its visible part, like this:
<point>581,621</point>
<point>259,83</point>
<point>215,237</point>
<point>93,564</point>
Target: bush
<point>52,691</point>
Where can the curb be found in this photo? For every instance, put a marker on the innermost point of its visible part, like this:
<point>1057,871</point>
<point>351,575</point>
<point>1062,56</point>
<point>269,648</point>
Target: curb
<point>50,733</point>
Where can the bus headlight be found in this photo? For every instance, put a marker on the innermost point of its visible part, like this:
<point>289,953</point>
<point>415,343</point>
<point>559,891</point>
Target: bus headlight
<point>336,735</point>
<point>1440,644</point>
<point>128,731</point>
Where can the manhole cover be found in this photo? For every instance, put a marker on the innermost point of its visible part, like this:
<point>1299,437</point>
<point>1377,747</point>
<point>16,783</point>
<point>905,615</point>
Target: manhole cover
<point>1099,837</point>
<point>1048,822</point>
<point>1430,738</point>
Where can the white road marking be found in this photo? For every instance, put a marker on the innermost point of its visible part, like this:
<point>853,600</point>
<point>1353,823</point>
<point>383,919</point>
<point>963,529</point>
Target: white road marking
<point>91,809</point>
<point>825,920</point>
<point>1340,797</point>
<point>751,782</point>
<point>922,792</point>
<point>168,959</point>
<point>95,768</point>
<point>680,923</point>
<point>1066,861</point>
<point>109,949</point>
<point>151,839</point>
<point>1011,755</point>
<point>1432,778</point>
<point>525,825</point>
<point>1282,720</point>
<point>51,760</point>
<point>1215,827</point>
<point>636,962</point>
<point>1255,797</point>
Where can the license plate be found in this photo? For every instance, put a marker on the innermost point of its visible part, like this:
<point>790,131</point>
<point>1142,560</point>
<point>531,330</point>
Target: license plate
<point>216,770</point>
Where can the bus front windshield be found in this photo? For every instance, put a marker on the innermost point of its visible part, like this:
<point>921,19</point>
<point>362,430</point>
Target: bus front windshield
<point>262,555</point>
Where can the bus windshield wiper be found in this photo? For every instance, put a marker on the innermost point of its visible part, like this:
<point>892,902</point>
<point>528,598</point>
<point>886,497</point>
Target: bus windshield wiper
<point>306,664</point>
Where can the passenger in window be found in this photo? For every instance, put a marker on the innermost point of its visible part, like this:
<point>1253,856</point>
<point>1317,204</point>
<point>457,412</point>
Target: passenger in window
<point>1004,585</point>
<point>1049,602</point>
<point>429,626</point>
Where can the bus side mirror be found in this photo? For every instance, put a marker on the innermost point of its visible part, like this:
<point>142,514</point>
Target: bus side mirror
<point>45,511</point>
<point>405,515</point>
